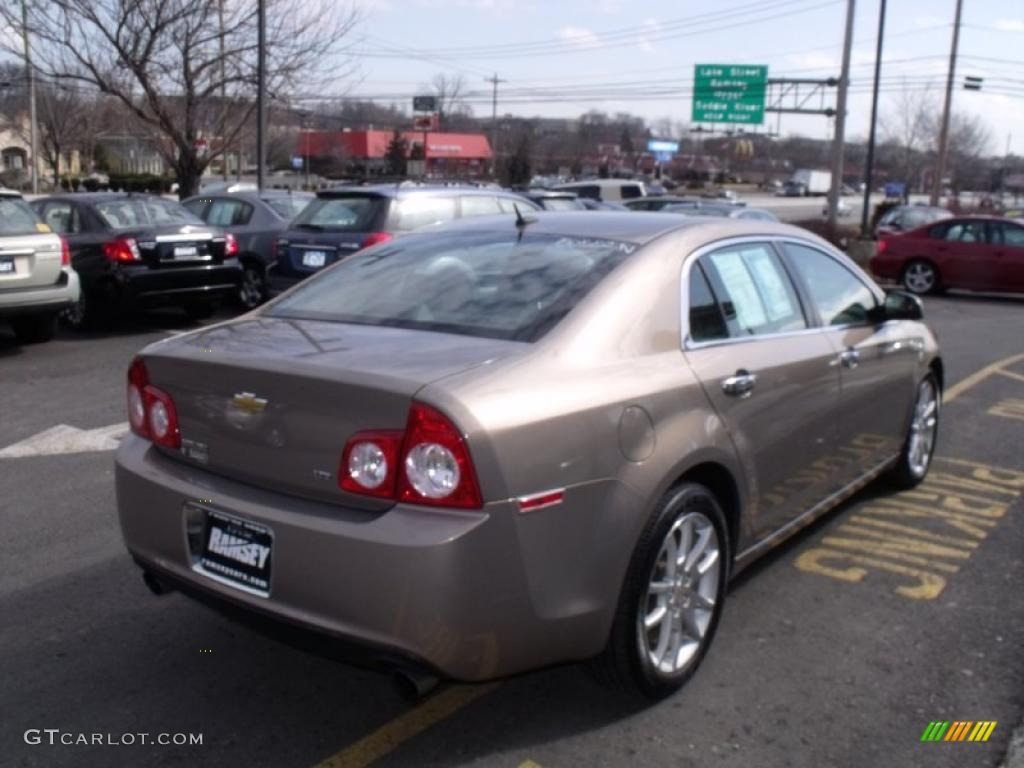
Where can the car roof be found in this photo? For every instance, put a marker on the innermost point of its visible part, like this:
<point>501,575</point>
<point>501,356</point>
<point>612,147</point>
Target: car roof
<point>98,197</point>
<point>598,182</point>
<point>5,192</point>
<point>404,189</point>
<point>252,194</point>
<point>639,227</point>
<point>549,194</point>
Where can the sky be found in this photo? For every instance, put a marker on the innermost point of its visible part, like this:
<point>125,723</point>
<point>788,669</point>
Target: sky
<point>561,58</point>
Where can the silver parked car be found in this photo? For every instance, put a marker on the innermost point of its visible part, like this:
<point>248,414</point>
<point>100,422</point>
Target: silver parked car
<point>499,445</point>
<point>36,278</point>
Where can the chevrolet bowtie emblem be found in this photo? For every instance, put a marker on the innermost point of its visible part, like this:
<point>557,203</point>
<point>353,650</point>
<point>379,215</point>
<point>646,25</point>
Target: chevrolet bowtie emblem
<point>248,402</point>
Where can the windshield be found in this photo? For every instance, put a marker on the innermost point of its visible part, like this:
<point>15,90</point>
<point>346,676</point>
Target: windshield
<point>352,213</point>
<point>290,206</point>
<point>16,218</point>
<point>134,212</point>
<point>490,284</point>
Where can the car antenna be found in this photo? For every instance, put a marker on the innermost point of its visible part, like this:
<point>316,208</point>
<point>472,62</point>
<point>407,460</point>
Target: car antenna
<point>522,221</point>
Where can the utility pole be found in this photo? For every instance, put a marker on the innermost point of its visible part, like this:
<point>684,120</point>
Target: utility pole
<point>940,165</point>
<point>261,92</point>
<point>223,94</point>
<point>30,71</point>
<point>840,127</point>
<point>870,165</point>
<point>494,80</point>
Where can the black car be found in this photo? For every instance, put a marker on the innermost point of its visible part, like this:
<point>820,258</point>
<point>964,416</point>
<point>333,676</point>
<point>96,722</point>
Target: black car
<point>255,218</point>
<point>135,251</point>
<point>344,219</point>
<point>655,202</point>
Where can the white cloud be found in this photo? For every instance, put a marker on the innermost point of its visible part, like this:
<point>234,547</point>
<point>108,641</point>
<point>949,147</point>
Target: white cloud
<point>1010,25</point>
<point>651,27</point>
<point>580,36</point>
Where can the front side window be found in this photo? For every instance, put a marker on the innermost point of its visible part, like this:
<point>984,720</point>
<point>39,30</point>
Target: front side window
<point>228,213</point>
<point>754,291</point>
<point>630,191</point>
<point>841,297</point>
<point>493,285</point>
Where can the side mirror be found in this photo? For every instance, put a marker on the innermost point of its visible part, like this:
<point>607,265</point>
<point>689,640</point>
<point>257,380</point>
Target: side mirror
<point>900,305</point>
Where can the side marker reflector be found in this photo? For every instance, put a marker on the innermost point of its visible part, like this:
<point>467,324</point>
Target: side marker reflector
<point>541,500</point>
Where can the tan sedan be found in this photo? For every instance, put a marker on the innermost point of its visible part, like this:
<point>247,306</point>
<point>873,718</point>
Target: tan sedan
<point>496,446</point>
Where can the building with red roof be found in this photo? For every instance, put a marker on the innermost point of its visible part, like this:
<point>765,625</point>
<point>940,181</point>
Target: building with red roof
<point>364,152</point>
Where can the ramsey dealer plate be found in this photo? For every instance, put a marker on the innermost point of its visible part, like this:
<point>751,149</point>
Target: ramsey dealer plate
<point>236,552</point>
<point>314,258</point>
<point>6,265</point>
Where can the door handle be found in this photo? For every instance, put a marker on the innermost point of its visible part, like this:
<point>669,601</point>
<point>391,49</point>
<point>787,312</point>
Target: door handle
<point>850,358</point>
<point>741,384</point>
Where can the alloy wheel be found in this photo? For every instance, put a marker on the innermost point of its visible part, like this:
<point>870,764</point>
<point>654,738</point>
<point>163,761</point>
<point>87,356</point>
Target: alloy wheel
<point>923,428</point>
<point>920,277</point>
<point>250,293</point>
<point>679,604</point>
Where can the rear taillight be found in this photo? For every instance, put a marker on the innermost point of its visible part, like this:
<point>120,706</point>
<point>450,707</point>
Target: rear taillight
<point>65,252</point>
<point>427,464</point>
<point>151,411</point>
<point>123,249</point>
<point>230,246</point>
<point>280,246</point>
<point>883,244</point>
<point>374,238</point>
<point>369,463</point>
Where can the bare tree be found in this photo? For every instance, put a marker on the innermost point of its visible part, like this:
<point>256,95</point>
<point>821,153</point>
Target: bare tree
<point>172,64</point>
<point>450,92</point>
<point>908,126</point>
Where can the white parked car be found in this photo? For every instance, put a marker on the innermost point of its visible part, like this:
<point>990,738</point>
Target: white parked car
<point>36,278</point>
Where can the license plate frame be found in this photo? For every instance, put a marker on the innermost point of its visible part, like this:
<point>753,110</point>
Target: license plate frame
<point>232,552</point>
<point>314,259</point>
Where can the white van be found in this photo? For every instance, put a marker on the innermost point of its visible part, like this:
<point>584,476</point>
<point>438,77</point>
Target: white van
<point>609,190</point>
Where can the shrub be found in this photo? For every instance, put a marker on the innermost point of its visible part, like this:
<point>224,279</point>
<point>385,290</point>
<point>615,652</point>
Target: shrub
<point>841,235</point>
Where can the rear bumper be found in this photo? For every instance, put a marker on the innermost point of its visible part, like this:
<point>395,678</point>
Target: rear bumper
<point>144,286</point>
<point>50,298</point>
<point>472,595</point>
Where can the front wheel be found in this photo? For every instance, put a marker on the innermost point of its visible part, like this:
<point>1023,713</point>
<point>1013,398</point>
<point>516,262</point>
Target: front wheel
<point>672,598</point>
<point>919,444</point>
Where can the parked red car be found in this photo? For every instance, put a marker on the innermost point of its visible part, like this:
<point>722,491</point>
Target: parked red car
<point>980,253</point>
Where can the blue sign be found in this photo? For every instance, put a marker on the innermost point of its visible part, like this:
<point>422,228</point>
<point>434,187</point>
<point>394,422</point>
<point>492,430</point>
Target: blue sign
<point>297,163</point>
<point>896,189</point>
<point>662,145</point>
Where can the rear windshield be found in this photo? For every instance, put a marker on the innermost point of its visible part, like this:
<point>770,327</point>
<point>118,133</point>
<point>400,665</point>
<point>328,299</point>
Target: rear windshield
<point>491,285</point>
<point>288,207</point>
<point>16,218</point>
<point>134,212</point>
<point>351,213</point>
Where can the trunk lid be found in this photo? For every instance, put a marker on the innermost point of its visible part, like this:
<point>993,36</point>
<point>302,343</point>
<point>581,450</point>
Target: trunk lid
<point>271,402</point>
<point>29,261</point>
<point>178,246</point>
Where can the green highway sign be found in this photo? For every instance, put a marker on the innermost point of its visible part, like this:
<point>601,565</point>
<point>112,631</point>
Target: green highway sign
<point>729,93</point>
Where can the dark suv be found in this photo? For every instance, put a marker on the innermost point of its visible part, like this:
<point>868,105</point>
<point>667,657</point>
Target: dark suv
<point>344,219</point>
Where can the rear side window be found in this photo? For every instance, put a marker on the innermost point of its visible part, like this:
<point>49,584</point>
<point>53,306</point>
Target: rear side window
<point>588,190</point>
<point>61,217</point>
<point>706,321</point>
<point>1008,234</point>
<point>479,205</point>
<point>754,291</point>
<point>841,297</point>
<point>228,213</point>
<point>630,191</point>
<point>351,213</point>
<point>417,211</point>
<point>16,218</point>
<point>494,284</point>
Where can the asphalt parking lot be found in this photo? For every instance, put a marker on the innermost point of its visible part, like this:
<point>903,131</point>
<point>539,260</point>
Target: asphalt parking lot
<point>837,650</point>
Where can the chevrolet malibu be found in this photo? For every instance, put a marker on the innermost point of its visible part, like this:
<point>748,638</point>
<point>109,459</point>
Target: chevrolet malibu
<point>500,445</point>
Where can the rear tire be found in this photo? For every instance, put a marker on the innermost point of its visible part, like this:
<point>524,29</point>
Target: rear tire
<point>668,610</point>
<point>83,314</point>
<point>921,277</point>
<point>253,291</point>
<point>34,329</point>
<point>922,434</point>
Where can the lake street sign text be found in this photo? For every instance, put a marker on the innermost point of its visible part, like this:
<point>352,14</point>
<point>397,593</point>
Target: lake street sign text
<point>729,93</point>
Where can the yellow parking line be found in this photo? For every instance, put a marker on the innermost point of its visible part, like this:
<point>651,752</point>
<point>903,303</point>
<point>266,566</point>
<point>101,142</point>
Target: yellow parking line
<point>392,735</point>
<point>979,376</point>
